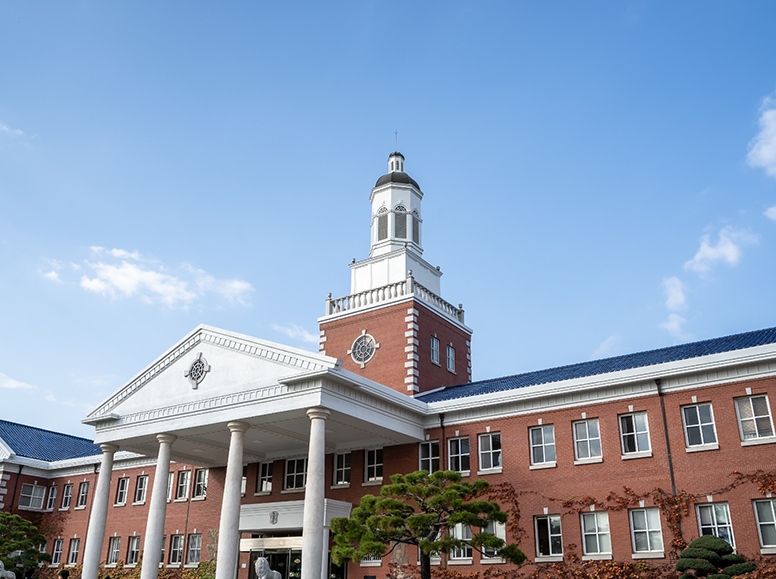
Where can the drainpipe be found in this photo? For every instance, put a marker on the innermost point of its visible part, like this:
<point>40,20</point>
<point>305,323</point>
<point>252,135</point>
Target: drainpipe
<point>442,442</point>
<point>16,486</point>
<point>658,383</point>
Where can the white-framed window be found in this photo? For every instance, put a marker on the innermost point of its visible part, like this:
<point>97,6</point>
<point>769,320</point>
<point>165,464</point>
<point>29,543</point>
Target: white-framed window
<point>133,550</point>
<point>754,417</point>
<point>500,531</point>
<point>698,425</point>
<point>587,439</point>
<point>114,550</point>
<point>195,549</point>
<point>342,468</point>
<point>121,491</point>
<point>462,533</point>
<point>31,496</point>
<point>67,495</point>
<point>595,533</point>
<point>176,549</point>
<point>140,488</point>
<point>543,444</point>
<point>264,480</point>
<point>714,519</point>
<point>200,483</point>
<point>296,473</point>
<point>645,530</point>
<point>435,349</point>
<point>164,549</point>
<point>244,481</point>
<point>52,496</point>
<point>371,561</point>
<point>458,454</point>
<point>182,489</point>
<point>490,450</point>
<point>451,359</point>
<point>170,481</point>
<point>429,456</point>
<point>549,538</point>
<point>56,555</point>
<point>72,555</point>
<point>374,465</point>
<point>765,513</point>
<point>634,433</point>
<point>83,494</point>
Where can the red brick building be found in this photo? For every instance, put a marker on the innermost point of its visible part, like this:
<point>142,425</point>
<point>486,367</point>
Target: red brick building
<point>265,443</point>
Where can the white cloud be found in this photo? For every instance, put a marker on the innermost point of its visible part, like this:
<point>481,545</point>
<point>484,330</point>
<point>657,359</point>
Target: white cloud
<point>726,250</point>
<point>234,290</point>
<point>128,280</point>
<point>770,213</point>
<point>8,382</point>
<point>120,253</point>
<point>674,327</point>
<point>762,149</point>
<point>674,289</point>
<point>608,348</point>
<point>9,131</point>
<point>53,276</point>
<point>297,333</point>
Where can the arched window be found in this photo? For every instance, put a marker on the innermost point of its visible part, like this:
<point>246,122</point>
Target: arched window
<point>416,227</point>
<point>400,222</point>
<point>382,224</point>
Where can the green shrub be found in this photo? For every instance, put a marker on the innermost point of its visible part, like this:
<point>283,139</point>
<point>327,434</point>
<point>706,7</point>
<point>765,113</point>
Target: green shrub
<point>712,543</point>
<point>701,553</point>
<point>698,565</point>
<point>718,576</point>
<point>739,568</point>
<point>733,558</point>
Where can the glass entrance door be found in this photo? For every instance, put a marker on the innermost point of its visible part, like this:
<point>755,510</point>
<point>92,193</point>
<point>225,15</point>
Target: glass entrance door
<point>287,562</point>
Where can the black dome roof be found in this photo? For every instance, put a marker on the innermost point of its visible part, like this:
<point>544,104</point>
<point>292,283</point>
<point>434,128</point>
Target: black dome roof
<point>397,177</point>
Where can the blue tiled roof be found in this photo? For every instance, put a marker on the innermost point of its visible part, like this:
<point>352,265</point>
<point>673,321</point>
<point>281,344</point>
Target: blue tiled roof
<point>596,367</point>
<point>45,444</point>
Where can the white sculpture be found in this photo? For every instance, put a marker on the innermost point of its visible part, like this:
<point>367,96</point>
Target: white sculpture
<point>263,571</point>
<point>11,575</point>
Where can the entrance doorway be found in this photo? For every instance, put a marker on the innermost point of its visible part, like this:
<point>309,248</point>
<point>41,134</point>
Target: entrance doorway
<point>287,562</point>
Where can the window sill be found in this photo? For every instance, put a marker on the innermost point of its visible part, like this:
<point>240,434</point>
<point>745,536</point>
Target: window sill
<point>634,455</point>
<point>756,441</point>
<point>110,566</point>
<point>65,509</point>
<point>652,555</point>
<point>130,565</point>
<point>489,471</point>
<point>452,371</point>
<point>370,563</point>
<point>21,508</point>
<point>191,565</point>
<point>543,465</point>
<point>138,504</point>
<point>262,494</point>
<point>340,486</point>
<point>181,500</point>
<point>120,505</point>
<point>549,559</point>
<point>174,566</point>
<point>197,498</point>
<point>79,508</point>
<point>459,562</point>
<point>436,363</point>
<point>594,460</point>
<point>768,550</point>
<point>492,561</point>
<point>70,565</point>
<point>702,447</point>
<point>372,483</point>
<point>598,557</point>
<point>291,491</point>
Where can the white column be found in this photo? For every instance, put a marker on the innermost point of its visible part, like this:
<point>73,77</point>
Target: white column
<point>314,496</point>
<point>157,509</point>
<point>228,530</point>
<point>96,533</point>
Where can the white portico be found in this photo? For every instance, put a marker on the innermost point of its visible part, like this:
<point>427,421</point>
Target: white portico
<point>218,398</point>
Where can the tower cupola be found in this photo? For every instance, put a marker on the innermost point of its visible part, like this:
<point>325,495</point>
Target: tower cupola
<point>396,162</point>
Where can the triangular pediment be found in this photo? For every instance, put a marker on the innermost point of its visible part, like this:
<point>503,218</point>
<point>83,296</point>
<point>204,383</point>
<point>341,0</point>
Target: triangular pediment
<point>230,363</point>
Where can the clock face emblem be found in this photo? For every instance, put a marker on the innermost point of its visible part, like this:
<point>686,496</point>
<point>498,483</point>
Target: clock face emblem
<point>197,371</point>
<point>363,349</point>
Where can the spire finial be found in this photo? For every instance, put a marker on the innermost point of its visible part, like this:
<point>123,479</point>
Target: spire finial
<point>396,134</point>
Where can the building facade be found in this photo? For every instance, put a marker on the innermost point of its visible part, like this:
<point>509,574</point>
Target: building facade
<point>233,447</point>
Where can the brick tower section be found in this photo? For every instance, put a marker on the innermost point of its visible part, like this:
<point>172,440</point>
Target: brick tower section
<point>406,332</point>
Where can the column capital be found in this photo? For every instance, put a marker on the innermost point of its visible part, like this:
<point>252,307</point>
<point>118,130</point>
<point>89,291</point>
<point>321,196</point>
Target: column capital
<point>166,437</point>
<point>237,426</point>
<point>107,448</point>
<point>318,412</point>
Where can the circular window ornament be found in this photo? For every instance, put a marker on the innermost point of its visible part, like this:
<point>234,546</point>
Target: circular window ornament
<point>197,371</point>
<point>363,349</point>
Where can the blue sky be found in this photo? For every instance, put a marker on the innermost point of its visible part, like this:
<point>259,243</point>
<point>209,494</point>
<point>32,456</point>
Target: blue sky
<point>599,177</point>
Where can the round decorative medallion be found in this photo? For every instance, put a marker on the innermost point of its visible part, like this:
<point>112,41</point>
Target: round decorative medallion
<point>363,349</point>
<point>197,370</point>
